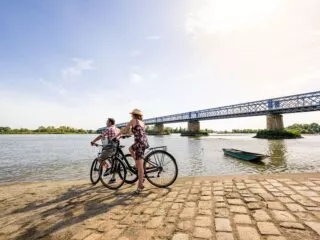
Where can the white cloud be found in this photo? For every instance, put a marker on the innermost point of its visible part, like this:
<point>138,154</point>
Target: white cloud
<point>227,15</point>
<point>77,69</point>
<point>135,77</point>
<point>135,53</point>
<point>153,37</point>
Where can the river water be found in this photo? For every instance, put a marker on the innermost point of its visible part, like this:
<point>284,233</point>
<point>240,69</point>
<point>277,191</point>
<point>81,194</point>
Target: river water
<point>53,157</point>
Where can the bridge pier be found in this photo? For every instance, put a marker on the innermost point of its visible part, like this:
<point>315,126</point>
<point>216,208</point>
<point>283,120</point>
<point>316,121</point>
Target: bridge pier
<point>274,121</point>
<point>194,126</point>
<point>193,129</point>
<point>158,129</point>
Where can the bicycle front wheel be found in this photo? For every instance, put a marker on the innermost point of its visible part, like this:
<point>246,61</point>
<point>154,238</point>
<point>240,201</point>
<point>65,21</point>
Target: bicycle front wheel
<point>160,168</point>
<point>113,177</point>
<point>95,172</point>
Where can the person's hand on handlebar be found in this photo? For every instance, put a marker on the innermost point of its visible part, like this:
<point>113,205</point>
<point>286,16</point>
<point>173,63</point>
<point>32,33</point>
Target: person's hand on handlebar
<point>121,136</point>
<point>93,144</point>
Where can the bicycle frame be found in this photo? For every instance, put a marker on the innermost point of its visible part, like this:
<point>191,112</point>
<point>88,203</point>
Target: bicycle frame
<point>155,166</point>
<point>150,150</point>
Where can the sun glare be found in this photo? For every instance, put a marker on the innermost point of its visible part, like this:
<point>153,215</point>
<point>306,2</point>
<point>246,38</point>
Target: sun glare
<point>227,15</point>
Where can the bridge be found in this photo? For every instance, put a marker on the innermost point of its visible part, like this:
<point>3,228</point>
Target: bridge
<point>273,108</point>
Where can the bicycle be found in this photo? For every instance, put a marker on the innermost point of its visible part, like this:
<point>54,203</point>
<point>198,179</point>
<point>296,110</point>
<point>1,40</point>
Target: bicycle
<point>114,176</point>
<point>160,166</point>
<point>95,167</point>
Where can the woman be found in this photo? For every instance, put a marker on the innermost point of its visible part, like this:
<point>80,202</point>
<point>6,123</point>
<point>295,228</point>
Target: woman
<point>140,143</point>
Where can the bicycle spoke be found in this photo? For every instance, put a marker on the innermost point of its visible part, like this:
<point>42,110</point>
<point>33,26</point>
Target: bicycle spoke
<point>164,170</point>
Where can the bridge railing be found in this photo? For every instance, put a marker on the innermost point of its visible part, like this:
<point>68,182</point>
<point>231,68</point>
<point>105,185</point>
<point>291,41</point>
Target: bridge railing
<point>289,104</point>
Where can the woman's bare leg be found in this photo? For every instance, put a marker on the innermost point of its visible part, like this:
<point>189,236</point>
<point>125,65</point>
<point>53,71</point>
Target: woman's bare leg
<point>139,165</point>
<point>132,153</point>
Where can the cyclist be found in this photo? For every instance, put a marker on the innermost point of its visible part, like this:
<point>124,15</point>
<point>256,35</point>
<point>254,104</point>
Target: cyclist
<point>140,143</point>
<point>106,138</point>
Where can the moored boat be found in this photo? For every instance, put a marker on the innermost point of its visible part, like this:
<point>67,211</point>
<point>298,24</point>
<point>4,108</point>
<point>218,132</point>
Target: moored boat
<point>248,156</point>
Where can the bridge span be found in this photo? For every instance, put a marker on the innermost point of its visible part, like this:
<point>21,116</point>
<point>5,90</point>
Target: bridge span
<point>273,108</point>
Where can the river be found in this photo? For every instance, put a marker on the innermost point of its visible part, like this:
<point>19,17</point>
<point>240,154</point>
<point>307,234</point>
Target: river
<point>52,157</point>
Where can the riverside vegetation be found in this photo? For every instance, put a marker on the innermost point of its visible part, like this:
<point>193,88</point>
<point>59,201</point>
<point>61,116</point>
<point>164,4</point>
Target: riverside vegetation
<point>46,130</point>
<point>292,131</point>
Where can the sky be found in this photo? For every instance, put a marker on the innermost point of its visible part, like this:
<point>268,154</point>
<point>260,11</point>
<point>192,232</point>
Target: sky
<point>78,62</point>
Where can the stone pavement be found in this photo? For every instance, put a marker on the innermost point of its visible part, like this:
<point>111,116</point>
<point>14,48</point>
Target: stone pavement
<point>265,207</point>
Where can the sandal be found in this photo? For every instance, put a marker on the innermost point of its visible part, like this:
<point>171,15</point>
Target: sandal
<point>138,190</point>
<point>107,172</point>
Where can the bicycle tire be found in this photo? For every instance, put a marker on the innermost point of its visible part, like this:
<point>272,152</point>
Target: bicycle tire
<point>95,167</point>
<point>131,177</point>
<point>157,168</point>
<point>117,168</point>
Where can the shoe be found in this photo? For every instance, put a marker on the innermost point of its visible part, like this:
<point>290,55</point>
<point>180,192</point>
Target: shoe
<point>138,190</point>
<point>107,172</point>
<point>112,180</point>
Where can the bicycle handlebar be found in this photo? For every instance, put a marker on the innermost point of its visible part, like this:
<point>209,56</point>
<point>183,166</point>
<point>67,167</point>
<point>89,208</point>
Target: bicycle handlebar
<point>115,140</point>
<point>97,145</point>
<point>125,136</point>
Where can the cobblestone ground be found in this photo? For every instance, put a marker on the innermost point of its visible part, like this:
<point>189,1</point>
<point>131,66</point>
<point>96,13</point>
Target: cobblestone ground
<point>253,208</point>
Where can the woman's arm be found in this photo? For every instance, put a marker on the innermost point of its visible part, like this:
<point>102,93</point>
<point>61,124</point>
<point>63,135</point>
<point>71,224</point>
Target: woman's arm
<point>124,130</point>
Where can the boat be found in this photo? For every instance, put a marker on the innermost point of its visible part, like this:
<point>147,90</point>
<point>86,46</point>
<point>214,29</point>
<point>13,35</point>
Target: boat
<point>248,156</point>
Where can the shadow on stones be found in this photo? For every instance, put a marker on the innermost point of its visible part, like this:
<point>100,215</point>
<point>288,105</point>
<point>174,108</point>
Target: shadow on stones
<point>93,201</point>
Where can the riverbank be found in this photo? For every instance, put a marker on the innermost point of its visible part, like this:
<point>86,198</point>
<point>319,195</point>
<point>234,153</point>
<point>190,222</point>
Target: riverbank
<point>256,207</point>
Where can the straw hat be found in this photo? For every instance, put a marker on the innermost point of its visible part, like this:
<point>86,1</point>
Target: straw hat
<point>136,111</point>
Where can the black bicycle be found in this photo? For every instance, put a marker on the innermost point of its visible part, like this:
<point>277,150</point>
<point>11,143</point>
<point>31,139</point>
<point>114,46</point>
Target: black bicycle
<point>95,167</point>
<point>114,176</point>
<point>160,166</point>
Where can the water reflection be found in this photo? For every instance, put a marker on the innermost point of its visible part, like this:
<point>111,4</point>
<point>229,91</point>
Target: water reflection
<point>278,155</point>
<point>196,157</point>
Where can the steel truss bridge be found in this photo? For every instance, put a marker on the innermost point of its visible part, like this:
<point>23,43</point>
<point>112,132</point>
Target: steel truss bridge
<point>305,102</point>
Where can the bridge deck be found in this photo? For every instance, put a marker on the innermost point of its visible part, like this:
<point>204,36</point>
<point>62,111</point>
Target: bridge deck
<point>305,102</point>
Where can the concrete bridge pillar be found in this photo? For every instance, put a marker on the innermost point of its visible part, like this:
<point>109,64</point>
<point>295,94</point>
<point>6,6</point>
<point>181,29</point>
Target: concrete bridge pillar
<point>274,121</point>
<point>194,126</point>
<point>159,128</point>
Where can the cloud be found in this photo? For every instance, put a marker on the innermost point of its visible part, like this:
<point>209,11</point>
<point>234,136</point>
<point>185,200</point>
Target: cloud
<point>153,38</point>
<point>227,15</point>
<point>135,53</point>
<point>135,77</point>
<point>80,65</point>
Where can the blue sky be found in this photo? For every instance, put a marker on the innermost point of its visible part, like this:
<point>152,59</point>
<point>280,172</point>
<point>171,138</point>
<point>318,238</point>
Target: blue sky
<point>78,62</point>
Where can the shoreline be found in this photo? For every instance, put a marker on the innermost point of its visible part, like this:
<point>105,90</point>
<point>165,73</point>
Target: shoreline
<point>239,176</point>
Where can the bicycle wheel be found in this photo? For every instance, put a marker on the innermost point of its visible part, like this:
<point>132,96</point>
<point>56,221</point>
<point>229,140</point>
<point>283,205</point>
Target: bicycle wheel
<point>161,168</point>
<point>113,177</point>
<point>95,172</point>
<point>132,172</point>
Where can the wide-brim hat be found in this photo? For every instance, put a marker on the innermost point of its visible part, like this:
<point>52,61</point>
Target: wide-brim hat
<point>136,111</point>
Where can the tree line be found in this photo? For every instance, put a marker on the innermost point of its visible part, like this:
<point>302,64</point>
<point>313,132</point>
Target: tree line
<point>312,128</point>
<point>45,130</point>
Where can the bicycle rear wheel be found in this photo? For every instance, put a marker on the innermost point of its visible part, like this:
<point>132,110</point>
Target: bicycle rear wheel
<point>113,177</point>
<point>95,172</point>
<point>132,172</point>
<point>160,168</point>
